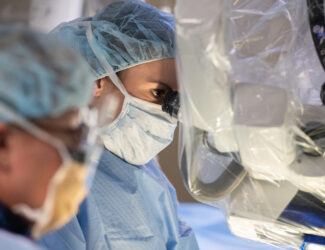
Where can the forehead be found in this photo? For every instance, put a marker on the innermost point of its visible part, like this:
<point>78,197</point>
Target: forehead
<point>162,69</point>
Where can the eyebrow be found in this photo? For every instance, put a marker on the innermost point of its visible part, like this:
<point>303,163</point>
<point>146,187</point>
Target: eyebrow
<point>164,84</point>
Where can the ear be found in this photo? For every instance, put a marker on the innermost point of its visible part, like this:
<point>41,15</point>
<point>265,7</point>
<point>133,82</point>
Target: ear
<point>99,87</point>
<point>4,150</point>
<point>102,86</point>
<point>3,132</point>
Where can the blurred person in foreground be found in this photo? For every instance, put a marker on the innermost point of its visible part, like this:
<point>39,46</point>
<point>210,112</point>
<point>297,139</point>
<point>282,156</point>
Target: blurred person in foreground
<point>47,153</point>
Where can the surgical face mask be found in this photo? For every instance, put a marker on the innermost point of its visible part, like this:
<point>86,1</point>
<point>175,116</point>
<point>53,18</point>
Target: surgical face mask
<point>69,185</point>
<point>141,130</point>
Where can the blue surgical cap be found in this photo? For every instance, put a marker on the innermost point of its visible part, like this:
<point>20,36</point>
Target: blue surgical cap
<point>40,76</point>
<point>126,33</point>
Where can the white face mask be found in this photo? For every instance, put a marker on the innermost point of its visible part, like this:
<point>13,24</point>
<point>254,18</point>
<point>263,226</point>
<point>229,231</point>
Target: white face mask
<point>141,130</point>
<point>70,184</point>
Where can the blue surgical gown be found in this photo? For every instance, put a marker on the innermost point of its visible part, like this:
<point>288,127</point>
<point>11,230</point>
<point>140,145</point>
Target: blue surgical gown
<point>128,207</point>
<point>10,241</point>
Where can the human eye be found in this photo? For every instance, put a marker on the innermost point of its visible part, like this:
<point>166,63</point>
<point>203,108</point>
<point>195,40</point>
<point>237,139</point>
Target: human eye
<point>158,93</point>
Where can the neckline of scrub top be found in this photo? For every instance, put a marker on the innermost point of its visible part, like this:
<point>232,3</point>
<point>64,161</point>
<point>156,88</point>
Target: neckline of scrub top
<point>12,222</point>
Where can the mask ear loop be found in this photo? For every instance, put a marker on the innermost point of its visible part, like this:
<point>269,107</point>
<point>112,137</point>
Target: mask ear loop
<point>99,53</point>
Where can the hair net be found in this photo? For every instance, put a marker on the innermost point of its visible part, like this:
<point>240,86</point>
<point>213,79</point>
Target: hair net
<point>39,76</point>
<point>126,33</point>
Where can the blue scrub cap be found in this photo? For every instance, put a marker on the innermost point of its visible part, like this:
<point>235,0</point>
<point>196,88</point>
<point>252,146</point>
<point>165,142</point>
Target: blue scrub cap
<point>39,76</point>
<point>126,33</point>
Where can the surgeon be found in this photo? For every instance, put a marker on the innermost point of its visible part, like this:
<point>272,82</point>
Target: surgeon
<point>44,146</point>
<point>129,46</point>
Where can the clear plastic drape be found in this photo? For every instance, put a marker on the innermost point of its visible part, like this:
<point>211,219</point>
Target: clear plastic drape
<point>252,140</point>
